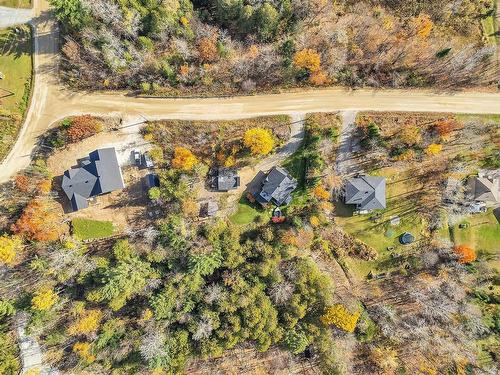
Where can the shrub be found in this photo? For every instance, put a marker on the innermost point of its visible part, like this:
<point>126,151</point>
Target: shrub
<point>83,127</point>
<point>82,349</point>
<point>183,159</point>
<point>259,141</point>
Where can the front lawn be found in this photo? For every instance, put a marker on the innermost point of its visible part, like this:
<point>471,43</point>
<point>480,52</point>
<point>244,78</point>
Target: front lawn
<point>15,87</point>
<point>85,229</point>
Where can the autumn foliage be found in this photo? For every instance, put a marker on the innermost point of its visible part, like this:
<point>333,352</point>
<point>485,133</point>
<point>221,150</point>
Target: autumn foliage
<point>9,247</point>
<point>259,141</point>
<point>423,25</point>
<point>183,159</point>
<point>307,59</point>
<point>82,127</point>
<point>22,183</point>
<point>87,322</point>
<point>40,221</point>
<point>466,254</point>
<point>321,193</point>
<point>340,317</point>
<point>44,299</point>
<point>207,50</point>
<point>433,149</point>
<point>446,126</point>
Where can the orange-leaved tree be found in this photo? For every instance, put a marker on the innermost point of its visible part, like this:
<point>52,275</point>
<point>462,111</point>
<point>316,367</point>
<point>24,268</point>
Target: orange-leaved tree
<point>307,59</point>
<point>207,49</point>
<point>183,159</point>
<point>259,141</point>
<point>40,221</point>
<point>340,317</point>
<point>467,254</point>
<point>446,126</point>
<point>423,25</point>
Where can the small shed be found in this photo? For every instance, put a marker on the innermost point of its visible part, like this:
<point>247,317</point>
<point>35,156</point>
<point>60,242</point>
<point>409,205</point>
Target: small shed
<point>225,179</point>
<point>406,238</point>
<point>209,209</point>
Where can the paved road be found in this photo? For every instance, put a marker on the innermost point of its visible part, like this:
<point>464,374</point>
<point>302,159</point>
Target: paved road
<point>10,17</point>
<point>51,101</point>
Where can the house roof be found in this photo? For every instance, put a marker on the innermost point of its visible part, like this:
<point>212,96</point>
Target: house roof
<point>367,192</point>
<point>227,179</point>
<point>99,174</point>
<point>486,190</point>
<point>277,187</point>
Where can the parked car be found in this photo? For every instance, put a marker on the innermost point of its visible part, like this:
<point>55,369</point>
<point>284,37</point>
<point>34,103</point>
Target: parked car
<point>137,157</point>
<point>148,162</point>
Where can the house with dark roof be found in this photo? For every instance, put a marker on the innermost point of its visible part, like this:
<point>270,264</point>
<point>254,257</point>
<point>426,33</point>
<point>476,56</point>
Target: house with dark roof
<point>97,174</point>
<point>225,179</point>
<point>276,188</point>
<point>366,192</point>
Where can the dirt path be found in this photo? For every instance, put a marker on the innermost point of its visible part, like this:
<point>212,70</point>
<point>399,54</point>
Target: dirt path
<point>248,173</point>
<point>52,101</point>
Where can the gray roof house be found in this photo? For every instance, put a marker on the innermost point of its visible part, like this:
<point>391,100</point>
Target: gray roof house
<point>226,179</point>
<point>98,174</point>
<point>366,192</point>
<point>486,190</point>
<point>276,188</point>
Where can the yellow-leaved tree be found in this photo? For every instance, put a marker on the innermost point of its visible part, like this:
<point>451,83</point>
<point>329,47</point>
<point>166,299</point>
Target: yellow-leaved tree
<point>259,141</point>
<point>434,149</point>
<point>321,193</point>
<point>307,59</point>
<point>83,350</point>
<point>44,299</point>
<point>183,159</point>
<point>9,247</point>
<point>87,322</point>
<point>340,317</point>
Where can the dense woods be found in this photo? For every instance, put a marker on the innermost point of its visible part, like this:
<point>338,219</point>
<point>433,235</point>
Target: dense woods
<point>228,46</point>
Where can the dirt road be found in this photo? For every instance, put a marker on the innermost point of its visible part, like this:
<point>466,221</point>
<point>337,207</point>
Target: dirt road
<point>51,101</point>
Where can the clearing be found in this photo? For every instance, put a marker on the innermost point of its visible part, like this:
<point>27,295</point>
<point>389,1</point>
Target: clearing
<point>85,229</point>
<point>15,87</point>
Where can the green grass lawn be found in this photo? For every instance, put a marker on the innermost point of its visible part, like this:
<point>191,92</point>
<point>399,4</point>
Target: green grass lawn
<point>16,66</point>
<point>16,3</point>
<point>380,235</point>
<point>489,25</point>
<point>85,229</point>
<point>248,213</point>
<point>483,233</point>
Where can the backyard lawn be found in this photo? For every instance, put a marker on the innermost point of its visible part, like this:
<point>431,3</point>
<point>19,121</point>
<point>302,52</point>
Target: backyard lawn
<point>482,234</point>
<point>16,3</point>
<point>248,213</point>
<point>16,67</point>
<point>85,229</point>
<point>380,234</point>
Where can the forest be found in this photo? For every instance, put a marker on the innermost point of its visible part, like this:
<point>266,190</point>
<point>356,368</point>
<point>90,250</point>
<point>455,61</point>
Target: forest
<point>242,46</point>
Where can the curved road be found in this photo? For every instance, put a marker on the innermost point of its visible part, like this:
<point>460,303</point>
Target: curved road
<point>51,101</point>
